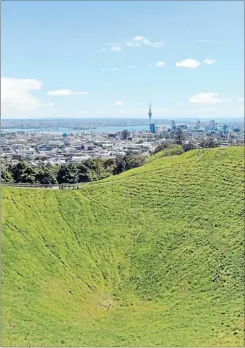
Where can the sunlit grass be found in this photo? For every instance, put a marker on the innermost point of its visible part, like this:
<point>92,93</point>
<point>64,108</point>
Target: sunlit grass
<point>151,257</point>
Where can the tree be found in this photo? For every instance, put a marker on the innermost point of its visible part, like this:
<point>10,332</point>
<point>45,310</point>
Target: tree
<point>120,166</point>
<point>46,176</point>
<point>189,146</point>
<point>21,172</point>
<point>28,176</point>
<point>6,176</point>
<point>208,142</point>
<point>105,175</point>
<point>179,136</point>
<point>127,162</point>
<point>67,174</point>
<point>95,165</point>
<point>160,147</point>
<point>83,173</point>
<point>110,165</point>
<point>134,161</point>
<point>173,150</point>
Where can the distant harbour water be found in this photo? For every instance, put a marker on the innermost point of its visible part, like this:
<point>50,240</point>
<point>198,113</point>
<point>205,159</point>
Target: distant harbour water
<point>112,129</point>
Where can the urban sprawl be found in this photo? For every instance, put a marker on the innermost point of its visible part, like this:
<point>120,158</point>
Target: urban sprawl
<point>55,148</point>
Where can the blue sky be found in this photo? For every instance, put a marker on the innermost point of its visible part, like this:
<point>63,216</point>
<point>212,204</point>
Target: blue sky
<point>108,59</point>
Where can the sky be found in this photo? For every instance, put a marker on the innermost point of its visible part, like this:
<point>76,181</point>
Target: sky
<point>80,59</point>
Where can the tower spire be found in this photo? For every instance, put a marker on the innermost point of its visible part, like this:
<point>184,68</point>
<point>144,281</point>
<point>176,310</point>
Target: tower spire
<point>150,113</point>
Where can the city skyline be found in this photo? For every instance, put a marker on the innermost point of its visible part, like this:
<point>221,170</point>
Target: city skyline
<point>105,59</point>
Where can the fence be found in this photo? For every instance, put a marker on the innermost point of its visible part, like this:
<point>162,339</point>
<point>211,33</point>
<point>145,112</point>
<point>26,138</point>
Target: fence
<point>50,186</point>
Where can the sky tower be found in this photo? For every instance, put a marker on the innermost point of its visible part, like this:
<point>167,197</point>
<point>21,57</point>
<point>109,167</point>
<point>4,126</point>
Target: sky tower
<point>152,126</point>
<point>150,113</point>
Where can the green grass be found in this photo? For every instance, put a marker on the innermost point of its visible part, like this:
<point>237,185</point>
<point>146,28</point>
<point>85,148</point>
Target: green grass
<point>152,257</point>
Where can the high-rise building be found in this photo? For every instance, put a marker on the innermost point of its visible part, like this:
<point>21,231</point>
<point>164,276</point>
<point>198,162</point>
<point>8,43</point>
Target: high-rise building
<point>158,129</point>
<point>124,134</point>
<point>173,126</point>
<point>198,124</point>
<point>226,129</point>
<point>152,128</point>
<point>212,125</point>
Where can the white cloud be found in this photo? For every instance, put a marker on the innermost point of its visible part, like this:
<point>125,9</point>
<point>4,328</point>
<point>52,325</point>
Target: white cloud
<point>115,47</point>
<point>65,93</point>
<point>81,112</point>
<point>16,95</point>
<point>188,63</point>
<point>112,46</point>
<point>208,41</point>
<point>119,103</point>
<point>208,98</point>
<point>114,69</point>
<point>138,41</point>
<point>51,104</point>
<point>131,66</point>
<point>160,64</point>
<point>102,50</point>
<point>241,99</point>
<point>208,61</point>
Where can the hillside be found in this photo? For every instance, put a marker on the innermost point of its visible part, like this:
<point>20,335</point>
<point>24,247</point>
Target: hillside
<point>152,257</point>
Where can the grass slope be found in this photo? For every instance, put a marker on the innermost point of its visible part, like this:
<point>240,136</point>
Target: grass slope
<point>151,257</point>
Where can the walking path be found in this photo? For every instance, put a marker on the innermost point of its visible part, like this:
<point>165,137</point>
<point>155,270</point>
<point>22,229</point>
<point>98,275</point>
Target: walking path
<point>61,186</point>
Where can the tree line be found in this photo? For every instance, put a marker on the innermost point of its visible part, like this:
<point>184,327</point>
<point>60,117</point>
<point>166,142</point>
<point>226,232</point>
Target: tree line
<point>178,138</point>
<point>89,170</point>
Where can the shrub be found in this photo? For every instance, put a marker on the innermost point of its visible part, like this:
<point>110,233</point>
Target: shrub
<point>173,150</point>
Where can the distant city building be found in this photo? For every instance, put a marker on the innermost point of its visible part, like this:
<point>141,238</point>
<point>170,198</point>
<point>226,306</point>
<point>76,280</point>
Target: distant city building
<point>198,124</point>
<point>173,126</point>
<point>212,125</point>
<point>112,135</point>
<point>181,127</point>
<point>165,134</point>
<point>124,134</point>
<point>152,128</point>
<point>197,133</point>
<point>58,147</point>
<point>225,129</point>
<point>158,129</point>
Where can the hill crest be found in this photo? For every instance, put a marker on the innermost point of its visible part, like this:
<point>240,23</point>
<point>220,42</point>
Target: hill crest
<point>137,259</point>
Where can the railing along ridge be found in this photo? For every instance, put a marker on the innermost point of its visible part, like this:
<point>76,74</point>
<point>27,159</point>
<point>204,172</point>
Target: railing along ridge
<point>60,186</point>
